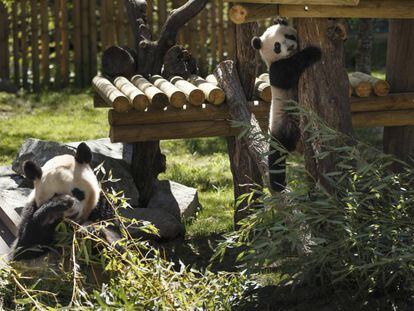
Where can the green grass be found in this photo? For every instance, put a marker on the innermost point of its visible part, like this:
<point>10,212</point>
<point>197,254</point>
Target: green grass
<point>69,116</point>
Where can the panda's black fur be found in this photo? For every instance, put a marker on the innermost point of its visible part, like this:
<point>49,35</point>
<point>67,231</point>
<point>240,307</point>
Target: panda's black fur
<point>36,231</point>
<point>278,48</point>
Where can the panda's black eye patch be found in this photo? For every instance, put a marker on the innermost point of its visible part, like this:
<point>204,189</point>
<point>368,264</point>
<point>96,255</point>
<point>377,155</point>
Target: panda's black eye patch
<point>277,48</point>
<point>79,194</point>
<point>290,37</point>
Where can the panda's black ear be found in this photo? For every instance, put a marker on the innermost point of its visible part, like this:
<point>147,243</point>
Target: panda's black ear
<point>256,43</point>
<point>280,21</point>
<point>83,154</point>
<point>31,170</point>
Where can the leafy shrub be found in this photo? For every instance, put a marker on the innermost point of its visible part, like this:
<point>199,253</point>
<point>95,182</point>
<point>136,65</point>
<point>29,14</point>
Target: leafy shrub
<point>358,235</point>
<point>93,274</point>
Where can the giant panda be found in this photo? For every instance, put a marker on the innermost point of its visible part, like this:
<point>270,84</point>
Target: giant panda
<point>64,188</point>
<point>278,48</point>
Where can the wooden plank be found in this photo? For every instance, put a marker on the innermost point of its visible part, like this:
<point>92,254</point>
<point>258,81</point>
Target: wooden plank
<point>24,45</point>
<point>383,118</point>
<point>93,40</point>
<point>121,32</point>
<point>220,32</point>
<point>163,131</point>
<point>189,113</point>
<point>8,215</point>
<point>307,2</point>
<point>396,101</point>
<point>4,43</point>
<point>77,45</point>
<point>58,50</point>
<point>35,44</point>
<point>213,32</point>
<point>85,43</point>
<point>44,13</point>
<point>65,42</point>
<point>16,45</point>
<point>365,9</point>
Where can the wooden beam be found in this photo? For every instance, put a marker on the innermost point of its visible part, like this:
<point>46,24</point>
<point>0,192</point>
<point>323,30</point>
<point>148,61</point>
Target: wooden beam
<point>307,2</point>
<point>365,9</point>
<point>241,13</point>
<point>396,101</point>
<point>176,130</point>
<point>189,114</point>
<point>383,118</point>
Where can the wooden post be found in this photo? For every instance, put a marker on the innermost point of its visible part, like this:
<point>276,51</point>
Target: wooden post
<point>4,44</point>
<point>44,14</point>
<point>329,100</point>
<point>35,45</point>
<point>243,167</point>
<point>24,51</point>
<point>399,140</point>
<point>16,54</point>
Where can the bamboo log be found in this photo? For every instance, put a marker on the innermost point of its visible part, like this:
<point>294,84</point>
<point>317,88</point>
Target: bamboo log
<point>138,99</point>
<point>176,97</point>
<point>361,88</point>
<point>213,93</point>
<point>365,9</point>
<point>241,13</point>
<point>110,94</point>
<point>157,98</point>
<point>263,90</point>
<point>204,112</point>
<point>212,79</point>
<point>380,87</point>
<point>194,95</point>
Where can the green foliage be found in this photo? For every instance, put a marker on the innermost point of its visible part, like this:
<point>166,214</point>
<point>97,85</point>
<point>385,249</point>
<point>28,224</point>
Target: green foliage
<point>354,232</point>
<point>137,278</point>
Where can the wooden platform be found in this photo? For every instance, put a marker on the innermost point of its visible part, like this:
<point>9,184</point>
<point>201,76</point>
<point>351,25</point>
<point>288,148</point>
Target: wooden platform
<point>244,11</point>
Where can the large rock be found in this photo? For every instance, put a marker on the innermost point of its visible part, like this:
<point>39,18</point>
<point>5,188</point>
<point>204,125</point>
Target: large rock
<point>178,200</point>
<point>168,226</point>
<point>103,150</point>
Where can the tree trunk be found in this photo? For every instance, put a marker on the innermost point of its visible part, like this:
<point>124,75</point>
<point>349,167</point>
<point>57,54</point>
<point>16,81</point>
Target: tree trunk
<point>399,140</point>
<point>317,91</point>
<point>243,167</point>
<point>146,158</point>
<point>364,47</point>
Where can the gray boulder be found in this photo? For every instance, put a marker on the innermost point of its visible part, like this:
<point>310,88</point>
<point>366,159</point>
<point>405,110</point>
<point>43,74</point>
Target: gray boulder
<point>103,150</point>
<point>168,226</point>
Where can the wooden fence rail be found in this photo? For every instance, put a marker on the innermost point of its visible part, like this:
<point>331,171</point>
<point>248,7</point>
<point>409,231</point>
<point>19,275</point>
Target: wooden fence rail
<point>57,43</point>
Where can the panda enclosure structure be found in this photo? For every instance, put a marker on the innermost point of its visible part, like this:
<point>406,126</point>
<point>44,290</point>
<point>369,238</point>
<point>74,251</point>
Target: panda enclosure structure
<point>319,23</point>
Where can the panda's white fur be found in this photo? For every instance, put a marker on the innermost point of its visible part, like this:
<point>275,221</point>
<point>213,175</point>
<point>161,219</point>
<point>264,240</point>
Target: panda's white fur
<point>278,48</point>
<point>62,174</point>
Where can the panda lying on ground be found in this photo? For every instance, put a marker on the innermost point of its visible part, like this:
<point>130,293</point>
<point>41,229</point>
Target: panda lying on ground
<point>278,48</point>
<point>64,188</point>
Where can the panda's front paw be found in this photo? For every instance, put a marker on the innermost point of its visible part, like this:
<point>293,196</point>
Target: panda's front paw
<point>313,54</point>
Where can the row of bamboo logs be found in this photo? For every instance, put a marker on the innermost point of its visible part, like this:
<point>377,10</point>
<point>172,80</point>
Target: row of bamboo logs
<point>139,93</point>
<point>156,92</point>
